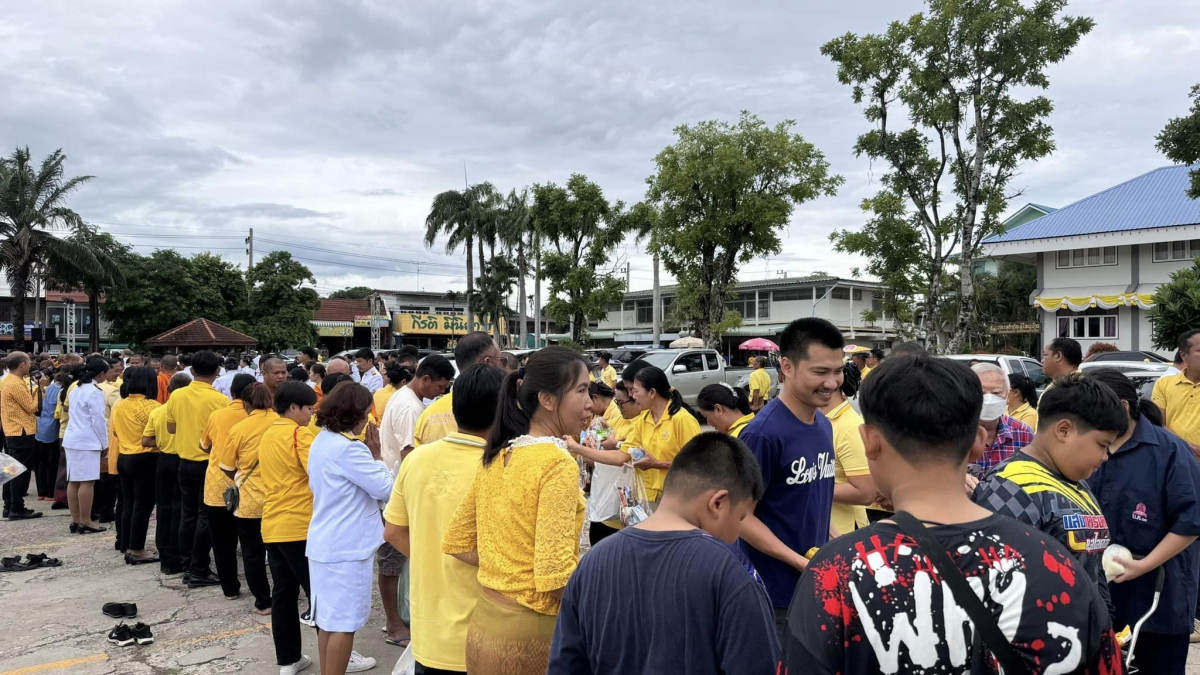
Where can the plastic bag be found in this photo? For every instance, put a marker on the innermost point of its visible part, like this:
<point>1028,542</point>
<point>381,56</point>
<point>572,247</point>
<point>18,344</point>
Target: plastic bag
<point>407,663</point>
<point>635,503</point>
<point>10,468</point>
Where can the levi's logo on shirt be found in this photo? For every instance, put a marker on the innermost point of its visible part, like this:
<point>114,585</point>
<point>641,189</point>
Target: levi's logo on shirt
<point>802,473</point>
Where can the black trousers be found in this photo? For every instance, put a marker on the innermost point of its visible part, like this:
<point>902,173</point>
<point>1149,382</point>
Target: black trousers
<point>254,560</point>
<point>104,500</point>
<point>194,537</point>
<point>47,467</point>
<point>1161,654</point>
<point>166,498</point>
<point>21,448</point>
<point>423,670</point>
<point>137,474</point>
<point>598,531</point>
<point>289,573</point>
<point>222,529</point>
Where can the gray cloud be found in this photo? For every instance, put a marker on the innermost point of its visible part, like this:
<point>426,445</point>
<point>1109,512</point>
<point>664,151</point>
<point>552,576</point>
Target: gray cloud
<point>338,121</point>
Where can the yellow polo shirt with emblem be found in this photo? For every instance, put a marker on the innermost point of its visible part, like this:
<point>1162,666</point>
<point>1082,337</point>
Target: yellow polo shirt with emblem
<point>663,440</point>
<point>188,409</point>
<point>850,460</point>
<point>156,428</point>
<point>239,453</point>
<point>381,398</point>
<point>436,421</point>
<point>283,465</point>
<point>760,381</point>
<point>735,429</point>
<point>1026,414</point>
<point>128,423</point>
<point>216,431</point>
<point>609,376</point>
<point>431,484</point>
<point>611,414</point>
<point>1179,399</point>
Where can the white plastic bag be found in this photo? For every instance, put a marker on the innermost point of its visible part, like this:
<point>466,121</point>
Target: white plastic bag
<point>635,503</point>
<point>407,664</point>
<point>10,468</point>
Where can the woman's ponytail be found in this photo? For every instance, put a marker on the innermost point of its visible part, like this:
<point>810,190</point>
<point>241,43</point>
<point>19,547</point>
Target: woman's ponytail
<point>552,370</point>
<point>511,420</point>
<point>1151,411</point>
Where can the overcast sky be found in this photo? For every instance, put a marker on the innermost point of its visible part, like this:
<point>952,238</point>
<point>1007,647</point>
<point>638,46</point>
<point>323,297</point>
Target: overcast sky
<point>332,124</point>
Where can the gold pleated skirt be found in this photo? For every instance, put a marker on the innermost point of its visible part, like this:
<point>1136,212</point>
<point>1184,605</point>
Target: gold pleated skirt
<point>505,638</point>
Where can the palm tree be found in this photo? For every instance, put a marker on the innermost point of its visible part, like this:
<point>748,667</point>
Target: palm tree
<point>462,217</point>
<point>515,233</point>
<point>645,225</point>
<point>107,251</point>
<point>32,207</point>
<point>495,283</point>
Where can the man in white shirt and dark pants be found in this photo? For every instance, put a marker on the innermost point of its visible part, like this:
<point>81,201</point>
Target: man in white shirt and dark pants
<point>396,431</point>
<point>368,375</point>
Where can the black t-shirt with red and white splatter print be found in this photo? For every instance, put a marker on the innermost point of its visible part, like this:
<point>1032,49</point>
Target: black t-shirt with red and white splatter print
<point>871,602</point>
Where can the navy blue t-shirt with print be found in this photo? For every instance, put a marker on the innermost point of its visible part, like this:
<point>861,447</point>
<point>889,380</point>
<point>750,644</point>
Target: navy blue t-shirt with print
<point>663,602</point>
<point>1147,489</point>
<point>797,462</point>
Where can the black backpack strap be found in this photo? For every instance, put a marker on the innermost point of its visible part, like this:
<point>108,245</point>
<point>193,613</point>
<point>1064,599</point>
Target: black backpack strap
<point>982,619</point>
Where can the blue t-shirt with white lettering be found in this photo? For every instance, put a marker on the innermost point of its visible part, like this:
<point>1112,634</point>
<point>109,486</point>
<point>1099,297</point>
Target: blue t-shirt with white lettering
<point>797,462</point>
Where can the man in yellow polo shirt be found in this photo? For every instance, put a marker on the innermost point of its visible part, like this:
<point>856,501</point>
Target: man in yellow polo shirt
<point>438,419</point>
<point>166,483</point>
<point>760,384</point>
<point>431,484</point>
<point>1179,395</point>
<point>186,416</point>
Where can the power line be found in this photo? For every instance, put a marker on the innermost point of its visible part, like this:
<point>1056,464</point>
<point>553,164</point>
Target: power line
<point>207,248</point>
<point>367,267</point>
<point>358,255</point>
<point>173,236</point>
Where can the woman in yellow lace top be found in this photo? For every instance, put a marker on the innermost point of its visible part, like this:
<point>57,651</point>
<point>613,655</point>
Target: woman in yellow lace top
<point>520,521</point>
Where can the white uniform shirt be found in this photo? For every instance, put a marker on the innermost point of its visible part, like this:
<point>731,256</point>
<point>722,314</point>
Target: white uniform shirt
<point>372,380</point>
<point>399,424</point>
<point>87,429</point>
<point>347,484</point>
<point>224,383</point>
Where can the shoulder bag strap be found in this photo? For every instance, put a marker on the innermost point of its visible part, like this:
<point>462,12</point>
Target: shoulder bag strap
<point>982,619</point>
<point>247,476</point>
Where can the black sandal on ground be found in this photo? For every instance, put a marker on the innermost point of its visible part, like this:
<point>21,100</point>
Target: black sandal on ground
<point>42,560</point>
<point>74,528</point>
<point>14,564</point>
<point>84,529</point>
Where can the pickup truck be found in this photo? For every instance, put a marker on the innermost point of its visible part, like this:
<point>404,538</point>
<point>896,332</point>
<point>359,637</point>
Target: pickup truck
<point>691,370</point>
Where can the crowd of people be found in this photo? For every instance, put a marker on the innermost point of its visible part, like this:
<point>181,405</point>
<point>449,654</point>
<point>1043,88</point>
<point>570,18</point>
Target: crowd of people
<point>896,513</point>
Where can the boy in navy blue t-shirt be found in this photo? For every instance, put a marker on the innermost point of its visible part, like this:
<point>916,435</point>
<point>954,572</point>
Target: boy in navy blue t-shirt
<point>793,443</point>
<point>669,595</point>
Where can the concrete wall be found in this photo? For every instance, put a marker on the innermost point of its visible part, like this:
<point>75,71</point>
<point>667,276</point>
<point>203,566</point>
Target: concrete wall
<point>1082,277</point>
<point>841,312</point>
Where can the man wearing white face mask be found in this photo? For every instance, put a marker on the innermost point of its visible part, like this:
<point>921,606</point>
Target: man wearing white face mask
<point>1005,435</point>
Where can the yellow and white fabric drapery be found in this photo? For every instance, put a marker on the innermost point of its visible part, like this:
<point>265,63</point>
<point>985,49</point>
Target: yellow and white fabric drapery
<point>1080,303</point>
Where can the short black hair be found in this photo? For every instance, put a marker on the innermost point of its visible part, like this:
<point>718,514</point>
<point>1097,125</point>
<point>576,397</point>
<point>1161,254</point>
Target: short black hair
<point>185,360</point>
<point>715,461</point>
<point>926,407</point>
<point>437,367</point>
<point>909,348</point>
<point>140,380</point>
<point>231,363</point>
<point>298,374</point>
<point>600,389</point>
<point>1178,357</point>
<point>1070,350</point>
<point>331,381</point>
<point>801,333</point>
<point>877,353</point>
<point>396,374</point>
<point>205,363</point>
<point>406,351</point>
<point>1025,386</point>
<point>470,347</point>
<point>242,382</point>
<point>293,392</point>
<point>345,407</point>
<point>476,393</point>
<point>1087,402</point>
<point>1186,337</point>
<point>364,353</point>
<point>310,352</point>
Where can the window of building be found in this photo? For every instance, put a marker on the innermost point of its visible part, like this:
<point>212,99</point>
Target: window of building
<point>805,293</point>
<point>449,310</point>
<point>1171,251</point>
<point>410,309</point>
<point>877,303</point>
<point>857,295</point>
<point>745,306</point>
<point>1093,324</point>
<point>840,293</point>
<point>645,311</point>
<point>1087,257</point>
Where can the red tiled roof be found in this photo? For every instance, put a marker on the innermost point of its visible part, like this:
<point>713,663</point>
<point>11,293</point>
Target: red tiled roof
<point>201,333</point>
<point>56,296</point>
<point>340,309</point>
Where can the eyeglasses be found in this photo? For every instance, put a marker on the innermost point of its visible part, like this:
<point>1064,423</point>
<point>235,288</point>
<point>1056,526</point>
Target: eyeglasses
<point>621,404</point>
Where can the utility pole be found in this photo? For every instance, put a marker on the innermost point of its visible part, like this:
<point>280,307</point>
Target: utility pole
<point>249,262</point>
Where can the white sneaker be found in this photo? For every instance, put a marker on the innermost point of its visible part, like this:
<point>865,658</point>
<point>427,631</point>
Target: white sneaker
<point>296,667</point>
<point>359,663</point>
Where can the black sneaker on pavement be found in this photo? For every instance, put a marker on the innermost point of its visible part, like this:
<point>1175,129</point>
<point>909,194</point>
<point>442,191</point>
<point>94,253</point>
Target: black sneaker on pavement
<point>113,609</point>
<point>203,582</point>
<point>141,633</point>
<point>121,635</point>
<point>306,618</point>
<point>130,610</point>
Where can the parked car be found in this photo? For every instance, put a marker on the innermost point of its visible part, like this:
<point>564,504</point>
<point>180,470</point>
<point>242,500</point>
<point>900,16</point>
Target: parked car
<point>690,370</point>
<point>1127,366</point>
<point>1011,365</point>
<point>1144,380</point>
<point>1139,357</point>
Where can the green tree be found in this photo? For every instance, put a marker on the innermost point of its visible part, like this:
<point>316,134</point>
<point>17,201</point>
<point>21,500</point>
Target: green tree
<point>645,221</point>
<point>352,293</point>
<point>726,190</point>
<point>109,254</point>
<point>579,233</point>
<point>464,218</point>
<point>221,289</point>
<point>494,285</point>
<point>1180,141</point>
<point>33,206</point>
<point>1176,307</point>
<point>956,75</point>
<point>281,306</point>
<point>159,293</point>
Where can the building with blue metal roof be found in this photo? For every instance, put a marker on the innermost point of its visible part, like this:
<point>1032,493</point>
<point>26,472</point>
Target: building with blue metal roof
<point>1100,259</point>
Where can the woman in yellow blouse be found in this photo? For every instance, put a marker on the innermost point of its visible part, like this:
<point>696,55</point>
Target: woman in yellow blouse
<point>853,487</point>
<point>221,523</point>
<point>397,376</point>
<point>287,509</point>
<point>1022,400</point>
<point>725,408</point>
<point>238,458</point>
<point>521,519</point>
<point>136,464</point>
